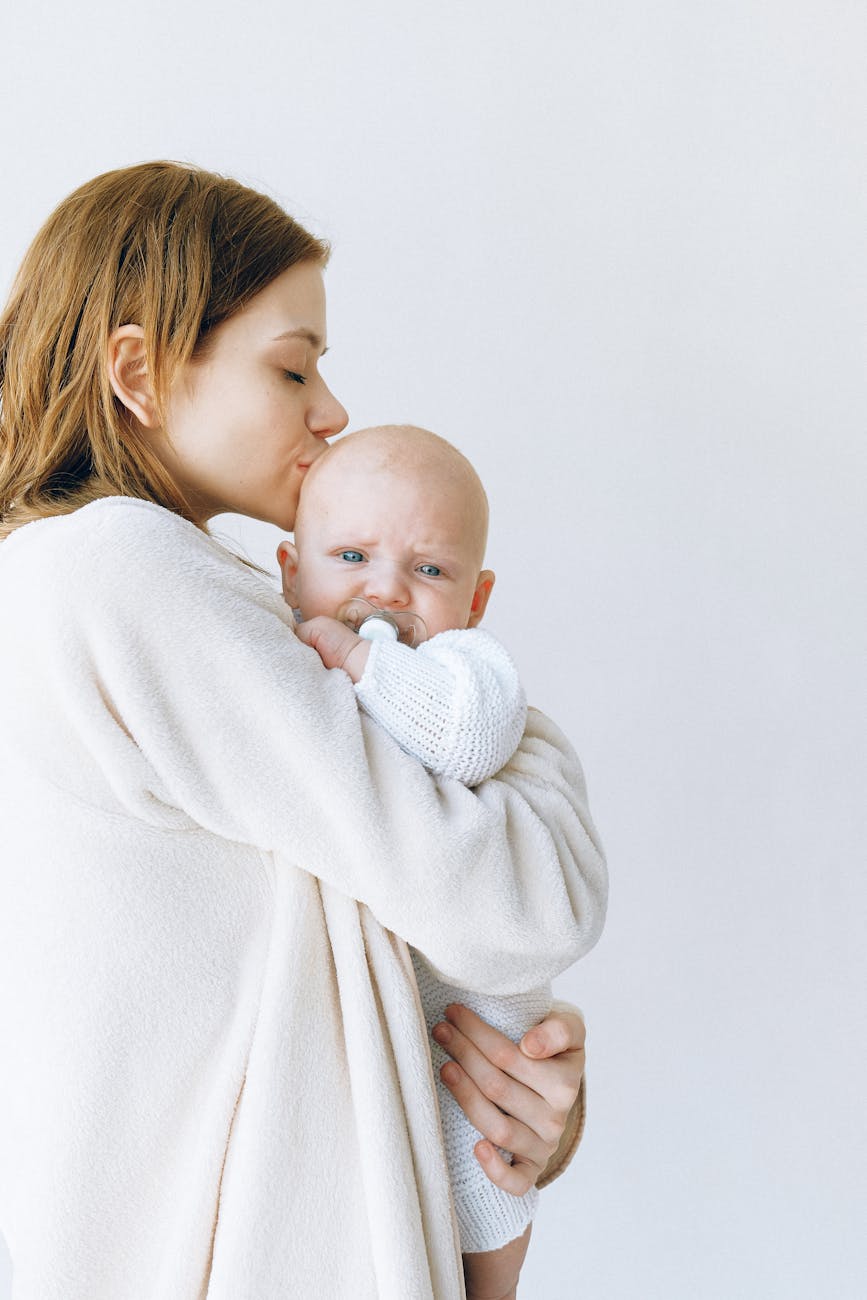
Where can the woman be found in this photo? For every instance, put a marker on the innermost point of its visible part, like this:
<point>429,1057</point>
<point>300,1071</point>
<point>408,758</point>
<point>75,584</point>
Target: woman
<point>220,1082</point>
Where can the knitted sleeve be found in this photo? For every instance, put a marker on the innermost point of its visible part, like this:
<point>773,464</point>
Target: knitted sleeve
<point>455,703</point>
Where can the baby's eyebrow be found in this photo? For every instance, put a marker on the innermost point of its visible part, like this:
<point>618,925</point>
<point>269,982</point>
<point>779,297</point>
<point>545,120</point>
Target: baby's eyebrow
<point>310,335</point>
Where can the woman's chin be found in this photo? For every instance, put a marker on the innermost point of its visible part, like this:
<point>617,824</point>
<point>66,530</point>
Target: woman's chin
<point>281,513</point>
<point>284,519</point>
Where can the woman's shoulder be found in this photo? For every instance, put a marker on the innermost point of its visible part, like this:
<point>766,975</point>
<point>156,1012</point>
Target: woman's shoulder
<point>120,518</point>
<point>118,543</point>
<point>119,524</point>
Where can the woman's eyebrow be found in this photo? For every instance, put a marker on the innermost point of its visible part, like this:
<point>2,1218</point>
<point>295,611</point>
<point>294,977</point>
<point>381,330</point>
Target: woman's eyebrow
<point>310,335</point>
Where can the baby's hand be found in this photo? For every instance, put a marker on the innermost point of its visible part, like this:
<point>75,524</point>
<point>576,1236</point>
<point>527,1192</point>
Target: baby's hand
<point>336,644</point>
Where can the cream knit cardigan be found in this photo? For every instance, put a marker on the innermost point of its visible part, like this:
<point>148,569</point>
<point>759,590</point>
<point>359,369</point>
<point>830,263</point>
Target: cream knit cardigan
<point>216,1081</point>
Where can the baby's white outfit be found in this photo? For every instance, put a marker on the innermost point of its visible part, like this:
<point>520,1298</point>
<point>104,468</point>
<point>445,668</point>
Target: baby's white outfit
<point>456,703</point>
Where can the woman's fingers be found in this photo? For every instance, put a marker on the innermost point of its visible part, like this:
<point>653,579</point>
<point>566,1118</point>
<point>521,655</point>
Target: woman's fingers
<point>500,1051</point>
<point>516,1179</point>
<point>518,1103</point>
<point>556,1080</point>
<point>531,1154</point>
<point>560,1031</point>
<point>504,1110</point>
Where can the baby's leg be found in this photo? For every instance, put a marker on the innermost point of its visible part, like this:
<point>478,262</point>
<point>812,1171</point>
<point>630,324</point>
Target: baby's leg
<point>487,1216</point>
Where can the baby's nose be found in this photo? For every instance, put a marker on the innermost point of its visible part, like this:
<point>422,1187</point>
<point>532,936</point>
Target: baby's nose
<point>386,586</point>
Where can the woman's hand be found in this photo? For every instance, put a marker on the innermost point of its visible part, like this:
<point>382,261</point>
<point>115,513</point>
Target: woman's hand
<point>518,1095</point>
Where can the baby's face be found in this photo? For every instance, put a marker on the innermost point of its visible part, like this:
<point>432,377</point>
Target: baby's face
<point>400,543</point>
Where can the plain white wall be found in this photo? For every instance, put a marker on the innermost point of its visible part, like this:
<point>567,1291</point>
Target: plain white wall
<point>616,252</point>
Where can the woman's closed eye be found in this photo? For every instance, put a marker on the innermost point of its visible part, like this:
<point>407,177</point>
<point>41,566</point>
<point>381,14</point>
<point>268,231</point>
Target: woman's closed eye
<point>294,376</point>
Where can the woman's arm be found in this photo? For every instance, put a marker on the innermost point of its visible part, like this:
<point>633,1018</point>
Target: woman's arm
<point>179,668</point>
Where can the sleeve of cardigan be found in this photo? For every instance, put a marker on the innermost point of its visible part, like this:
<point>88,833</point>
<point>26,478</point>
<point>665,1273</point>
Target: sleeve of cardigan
<point>456,703</point>
<point>182,674</point>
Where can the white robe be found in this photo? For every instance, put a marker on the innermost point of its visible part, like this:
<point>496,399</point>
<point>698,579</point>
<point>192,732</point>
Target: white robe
<point>215,1080</point>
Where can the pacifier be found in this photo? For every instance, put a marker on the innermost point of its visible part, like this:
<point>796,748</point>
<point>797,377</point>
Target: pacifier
<point>375,624</point>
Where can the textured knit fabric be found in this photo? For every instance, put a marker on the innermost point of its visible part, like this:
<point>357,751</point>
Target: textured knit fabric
<point>217,1082</point>
<point>487,1216</point>
<point>457,704</point>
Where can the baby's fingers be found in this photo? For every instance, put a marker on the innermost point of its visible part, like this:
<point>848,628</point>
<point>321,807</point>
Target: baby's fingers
<point>337,645</point>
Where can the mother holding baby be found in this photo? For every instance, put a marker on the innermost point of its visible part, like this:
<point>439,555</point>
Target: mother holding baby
<point>218,1082</point>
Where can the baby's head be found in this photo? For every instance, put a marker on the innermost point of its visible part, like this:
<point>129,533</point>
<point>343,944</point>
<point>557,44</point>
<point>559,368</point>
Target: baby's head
<point>397,516</point>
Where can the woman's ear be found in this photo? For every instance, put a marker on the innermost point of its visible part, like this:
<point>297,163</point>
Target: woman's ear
<point>287,558</point>
<point>481,596</point>
<point>129,375</point>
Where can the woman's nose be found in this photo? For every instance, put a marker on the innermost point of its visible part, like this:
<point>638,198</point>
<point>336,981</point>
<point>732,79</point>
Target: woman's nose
<point>327,417</point>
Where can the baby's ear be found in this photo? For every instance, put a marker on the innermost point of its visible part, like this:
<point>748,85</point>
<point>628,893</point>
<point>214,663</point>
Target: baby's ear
<point>287,558</point>
<point>481,596</point>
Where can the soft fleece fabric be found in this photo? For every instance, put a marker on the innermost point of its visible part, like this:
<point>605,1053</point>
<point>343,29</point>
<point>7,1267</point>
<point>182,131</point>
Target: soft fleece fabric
<point>216,1081</point>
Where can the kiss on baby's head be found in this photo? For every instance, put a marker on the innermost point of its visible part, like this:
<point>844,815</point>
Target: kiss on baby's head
<point>397,516</point>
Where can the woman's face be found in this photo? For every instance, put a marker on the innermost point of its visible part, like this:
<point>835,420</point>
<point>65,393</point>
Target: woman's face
<point>245,421</point>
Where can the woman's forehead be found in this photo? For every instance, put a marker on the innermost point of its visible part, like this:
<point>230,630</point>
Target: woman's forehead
<point>290,308</point>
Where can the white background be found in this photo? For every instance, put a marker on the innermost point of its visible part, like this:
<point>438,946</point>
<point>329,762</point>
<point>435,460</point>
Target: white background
<point>616,251</point>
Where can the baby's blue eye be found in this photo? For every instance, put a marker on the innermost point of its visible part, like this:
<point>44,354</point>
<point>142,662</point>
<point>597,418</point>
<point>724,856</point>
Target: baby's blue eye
<point>429,570</point>
<point>352,557</point>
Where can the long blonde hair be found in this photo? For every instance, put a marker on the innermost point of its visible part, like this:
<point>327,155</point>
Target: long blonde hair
<point>169,247</point>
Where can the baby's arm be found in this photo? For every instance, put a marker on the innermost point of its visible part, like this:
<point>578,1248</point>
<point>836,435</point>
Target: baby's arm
<point>487,1216</point>
<point>455,703</point>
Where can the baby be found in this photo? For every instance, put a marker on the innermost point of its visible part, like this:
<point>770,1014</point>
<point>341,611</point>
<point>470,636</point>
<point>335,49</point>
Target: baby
<point>395,520</point>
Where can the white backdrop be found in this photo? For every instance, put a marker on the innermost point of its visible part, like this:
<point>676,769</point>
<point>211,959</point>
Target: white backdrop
<point>615,251</point>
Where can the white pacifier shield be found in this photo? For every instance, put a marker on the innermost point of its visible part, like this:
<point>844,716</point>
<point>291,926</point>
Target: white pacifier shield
<point>377,628</point>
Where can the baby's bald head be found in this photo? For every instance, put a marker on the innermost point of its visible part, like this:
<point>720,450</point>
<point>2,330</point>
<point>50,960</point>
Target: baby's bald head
<point>398,517</point>
<point>402,457</point>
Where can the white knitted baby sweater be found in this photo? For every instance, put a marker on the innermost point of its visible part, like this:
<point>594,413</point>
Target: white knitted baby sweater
<point>457,704</point>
